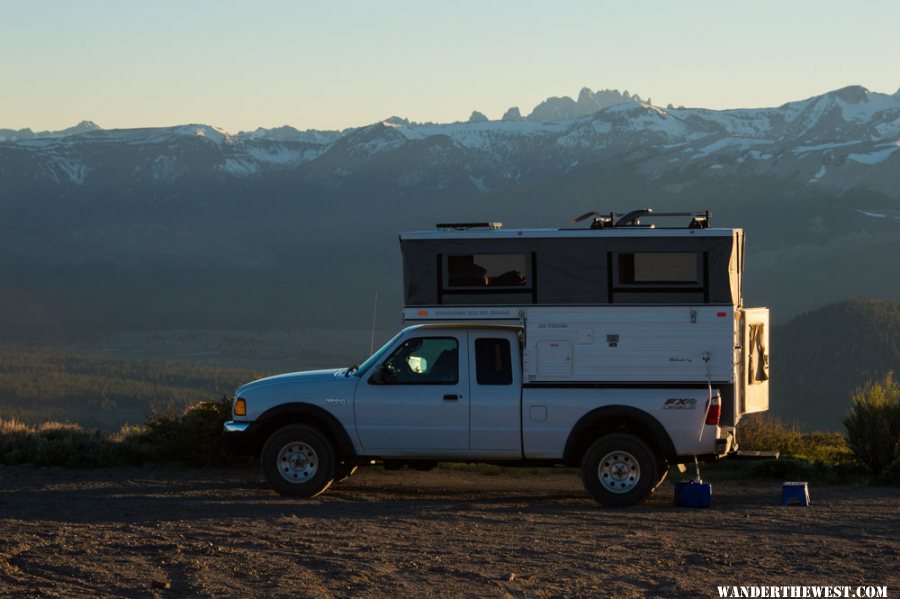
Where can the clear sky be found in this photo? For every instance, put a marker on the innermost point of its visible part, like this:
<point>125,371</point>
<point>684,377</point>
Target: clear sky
<point>329,65</point>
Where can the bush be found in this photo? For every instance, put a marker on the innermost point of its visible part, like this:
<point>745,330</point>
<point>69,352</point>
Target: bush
<point>766,432</point>
<point>873,426</point>
<point>891,474</point>
<point>64,444</point>
<point>193,438</point>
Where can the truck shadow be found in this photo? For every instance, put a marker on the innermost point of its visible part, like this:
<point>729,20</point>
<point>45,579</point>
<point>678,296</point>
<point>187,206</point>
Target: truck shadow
<point>136,497</point>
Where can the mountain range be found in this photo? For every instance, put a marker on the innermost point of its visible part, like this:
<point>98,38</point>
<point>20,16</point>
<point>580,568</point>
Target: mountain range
<point>190,226</point>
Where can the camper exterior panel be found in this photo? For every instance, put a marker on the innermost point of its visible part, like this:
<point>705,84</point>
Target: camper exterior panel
<point>633,344</point>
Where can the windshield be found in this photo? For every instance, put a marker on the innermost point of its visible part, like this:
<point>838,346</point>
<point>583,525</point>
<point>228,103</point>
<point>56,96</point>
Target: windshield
<point>362,368</point>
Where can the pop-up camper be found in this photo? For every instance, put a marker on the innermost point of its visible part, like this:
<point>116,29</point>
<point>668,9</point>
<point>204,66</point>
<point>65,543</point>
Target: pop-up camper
<point>620,303</point>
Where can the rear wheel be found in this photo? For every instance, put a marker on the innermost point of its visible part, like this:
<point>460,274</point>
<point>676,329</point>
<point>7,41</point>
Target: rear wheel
<point>298,460</point>
<point>619,470</point>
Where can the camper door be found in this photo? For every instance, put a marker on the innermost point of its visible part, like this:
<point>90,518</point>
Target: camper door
<point>755,344</point>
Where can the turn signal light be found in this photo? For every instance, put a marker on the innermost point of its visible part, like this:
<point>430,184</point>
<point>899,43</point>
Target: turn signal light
<point>240,407</point>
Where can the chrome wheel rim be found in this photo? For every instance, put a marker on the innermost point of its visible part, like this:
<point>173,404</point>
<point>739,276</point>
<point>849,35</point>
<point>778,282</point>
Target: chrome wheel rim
<point>297,462</point>
<point>619,472</point>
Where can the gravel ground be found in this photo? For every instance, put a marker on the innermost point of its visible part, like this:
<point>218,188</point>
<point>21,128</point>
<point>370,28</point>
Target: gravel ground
<point>174,533</point>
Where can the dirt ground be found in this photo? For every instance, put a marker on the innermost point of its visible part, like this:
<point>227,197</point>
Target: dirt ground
<point>175,533</point>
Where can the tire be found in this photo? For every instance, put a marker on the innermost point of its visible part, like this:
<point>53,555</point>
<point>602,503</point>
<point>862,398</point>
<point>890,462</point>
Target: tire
<point>343,471</point>
<point>298,460</point>
<point>619,470</point>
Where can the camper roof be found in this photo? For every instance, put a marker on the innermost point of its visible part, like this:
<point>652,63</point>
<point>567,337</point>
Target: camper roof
<point>560,233</point>
<point>612,224</point>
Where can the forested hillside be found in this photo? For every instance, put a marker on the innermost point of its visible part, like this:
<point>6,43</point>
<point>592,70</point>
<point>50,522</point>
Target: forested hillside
<point>819,358</point>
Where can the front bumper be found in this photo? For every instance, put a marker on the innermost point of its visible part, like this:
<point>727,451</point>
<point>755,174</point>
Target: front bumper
<point>240,437</point>
<point>232,426</point>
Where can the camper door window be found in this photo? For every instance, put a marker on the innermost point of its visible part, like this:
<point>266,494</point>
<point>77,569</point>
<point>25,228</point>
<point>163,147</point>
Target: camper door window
<point>487,271</point>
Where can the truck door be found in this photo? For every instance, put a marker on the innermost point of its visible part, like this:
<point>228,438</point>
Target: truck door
<point>495,365</point>
<point>755,360</point>
<point>415,402</point>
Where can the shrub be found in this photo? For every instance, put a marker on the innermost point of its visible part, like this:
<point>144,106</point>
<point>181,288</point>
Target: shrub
<point>63,444</point>
<point>193,438</point>
<point>766,432</point>
<point>873,426</point>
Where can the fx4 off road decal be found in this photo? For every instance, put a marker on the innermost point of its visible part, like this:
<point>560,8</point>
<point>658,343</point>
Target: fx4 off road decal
<point>680,403</point>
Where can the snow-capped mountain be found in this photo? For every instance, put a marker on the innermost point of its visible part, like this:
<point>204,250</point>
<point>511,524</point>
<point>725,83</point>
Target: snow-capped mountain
<point>843,139</point>
<point>23,134</point>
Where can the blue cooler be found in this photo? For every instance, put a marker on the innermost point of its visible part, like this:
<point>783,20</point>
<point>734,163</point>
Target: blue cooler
<point>693,493</point>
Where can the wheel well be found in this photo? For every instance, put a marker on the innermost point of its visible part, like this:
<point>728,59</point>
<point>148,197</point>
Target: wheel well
<point>309,415</point>
<point>613,420</point>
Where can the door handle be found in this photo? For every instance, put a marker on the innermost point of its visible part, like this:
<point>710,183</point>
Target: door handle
<point>451,397</point>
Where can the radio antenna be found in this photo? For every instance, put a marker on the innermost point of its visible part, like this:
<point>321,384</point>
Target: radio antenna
<point>374,316</point>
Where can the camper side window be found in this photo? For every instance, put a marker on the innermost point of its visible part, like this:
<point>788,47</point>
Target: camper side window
<point>487,271</point>
<point>659,269</point>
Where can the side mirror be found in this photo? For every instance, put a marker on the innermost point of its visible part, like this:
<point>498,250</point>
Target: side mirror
<point>381,376</point>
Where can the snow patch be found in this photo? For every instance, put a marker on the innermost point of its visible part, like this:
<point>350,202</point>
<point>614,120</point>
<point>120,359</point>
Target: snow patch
<point>888,129</point>
<point>214,134</point>
<point>481,135</point>
<point>478,182</point>
<point>239,167</point>
<point>819,174</point>
<point>64,168</point>
<point>873,157</point>
<point>741,143</point>
<point>282,156</point>
<point>863,112</point>
<point>166,168</point>
<point>820,147</point>
<point>757,155</point>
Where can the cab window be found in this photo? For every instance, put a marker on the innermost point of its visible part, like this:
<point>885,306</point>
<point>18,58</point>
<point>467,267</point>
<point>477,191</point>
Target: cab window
<point>422,361</point>
<point>492,362</point>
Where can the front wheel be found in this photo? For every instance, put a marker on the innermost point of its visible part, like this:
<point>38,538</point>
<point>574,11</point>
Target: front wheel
<point>619,470</point>
<point>298,460</point>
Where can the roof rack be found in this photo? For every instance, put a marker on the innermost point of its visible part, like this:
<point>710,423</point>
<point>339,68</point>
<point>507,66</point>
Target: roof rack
<point>699,220</point>
<point>467,226</point>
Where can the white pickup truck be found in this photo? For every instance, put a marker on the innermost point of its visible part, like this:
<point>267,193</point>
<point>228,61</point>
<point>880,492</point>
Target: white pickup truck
<point>621,389</point>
